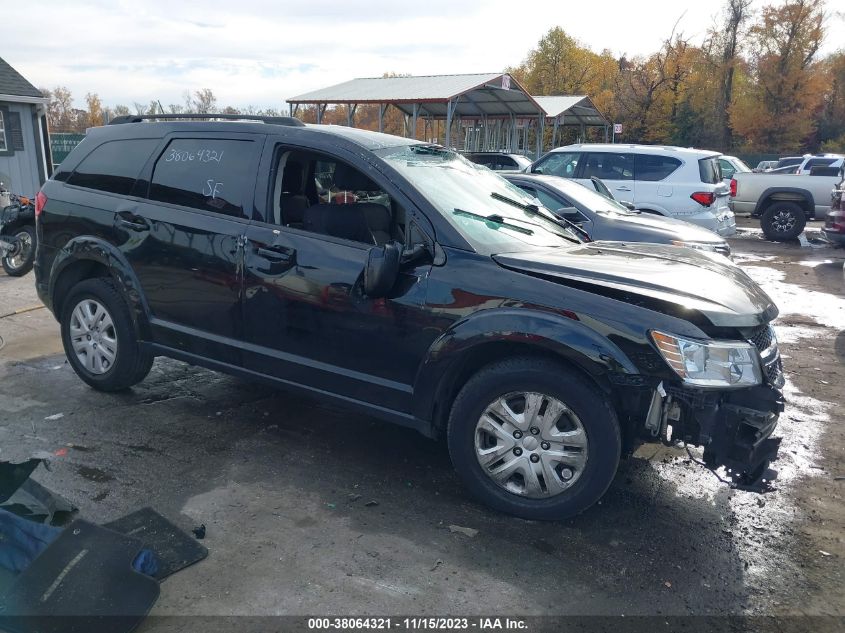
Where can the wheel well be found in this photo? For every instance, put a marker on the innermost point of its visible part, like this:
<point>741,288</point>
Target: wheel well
<point>474,360</point>
<point>786,196</point>
<point>72,275</point>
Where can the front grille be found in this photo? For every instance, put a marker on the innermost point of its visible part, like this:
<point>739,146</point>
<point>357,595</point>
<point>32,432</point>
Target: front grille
<point>774,372</point>
<point>761,338</point>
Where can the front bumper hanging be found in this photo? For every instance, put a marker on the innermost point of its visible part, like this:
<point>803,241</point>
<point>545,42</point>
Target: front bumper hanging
<point>734,427</point>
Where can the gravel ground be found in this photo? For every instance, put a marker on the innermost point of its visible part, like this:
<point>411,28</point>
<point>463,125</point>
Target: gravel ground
<point>312,510</point>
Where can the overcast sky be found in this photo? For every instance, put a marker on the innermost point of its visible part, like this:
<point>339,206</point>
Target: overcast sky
<point>262,51</point>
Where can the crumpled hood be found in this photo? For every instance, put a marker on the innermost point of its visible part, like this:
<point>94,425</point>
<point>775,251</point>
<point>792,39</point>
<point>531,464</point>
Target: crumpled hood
<point>690,279</point>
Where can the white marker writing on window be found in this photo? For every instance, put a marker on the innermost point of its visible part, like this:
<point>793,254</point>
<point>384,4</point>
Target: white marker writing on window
<point>212,188</point>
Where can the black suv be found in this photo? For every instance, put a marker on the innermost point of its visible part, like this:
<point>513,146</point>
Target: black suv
<point>398,278</point>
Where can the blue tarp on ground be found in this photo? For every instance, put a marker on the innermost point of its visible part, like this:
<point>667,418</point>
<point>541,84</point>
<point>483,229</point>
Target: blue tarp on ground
<point>22,541</point>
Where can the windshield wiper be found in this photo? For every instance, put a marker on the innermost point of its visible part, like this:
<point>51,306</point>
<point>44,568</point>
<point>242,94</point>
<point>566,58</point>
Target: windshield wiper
<point>533,209</point>
<point>495,219</point>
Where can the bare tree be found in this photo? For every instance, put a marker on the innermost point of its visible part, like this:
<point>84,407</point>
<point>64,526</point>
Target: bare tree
<point>737,13</point>
<point>204,101</point>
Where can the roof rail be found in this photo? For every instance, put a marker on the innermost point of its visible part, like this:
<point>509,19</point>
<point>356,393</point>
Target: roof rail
<point>138,118</point>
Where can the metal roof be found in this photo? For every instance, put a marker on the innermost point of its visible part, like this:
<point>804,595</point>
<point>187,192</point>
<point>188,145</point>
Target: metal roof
<point>581,107</point>
<point>485,94</point>
<point>495,95</point>
<point>13,84</point>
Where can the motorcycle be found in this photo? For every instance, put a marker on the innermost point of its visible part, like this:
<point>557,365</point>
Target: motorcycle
<point>17,233</point>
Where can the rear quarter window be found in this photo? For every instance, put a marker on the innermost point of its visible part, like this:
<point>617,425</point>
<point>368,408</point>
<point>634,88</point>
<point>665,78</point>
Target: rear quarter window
<point>113,166</point>
<point>710,171</point>
<point>652,168</point>
<point>206,174</point>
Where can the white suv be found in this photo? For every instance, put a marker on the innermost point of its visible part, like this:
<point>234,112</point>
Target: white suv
<point>671,181</point>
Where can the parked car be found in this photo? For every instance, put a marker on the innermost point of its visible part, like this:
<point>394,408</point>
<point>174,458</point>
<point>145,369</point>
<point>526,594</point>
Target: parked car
<point>819,160</point>
<point>784,202</point>
<point>765,165</point>
<point>500,161</point>
<point>394,277</point>
<point>731,165</point>
<point>672,181</point>
<point>603,218</point>
<point>791,161</point>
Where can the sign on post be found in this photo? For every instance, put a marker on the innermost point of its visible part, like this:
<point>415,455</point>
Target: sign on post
<point>617,129</point>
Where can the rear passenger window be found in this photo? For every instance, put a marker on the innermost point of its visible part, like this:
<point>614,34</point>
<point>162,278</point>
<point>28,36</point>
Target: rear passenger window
<point>206,174</point>
<point>113,166</point>
<point>654,168</point>
<point>610,166</point>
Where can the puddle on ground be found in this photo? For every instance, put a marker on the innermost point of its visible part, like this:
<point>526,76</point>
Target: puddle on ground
<point>791,299</point>
<point>94,474</point>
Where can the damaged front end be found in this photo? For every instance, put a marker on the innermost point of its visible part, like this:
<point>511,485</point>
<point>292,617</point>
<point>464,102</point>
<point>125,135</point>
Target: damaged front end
<point>734,426</point>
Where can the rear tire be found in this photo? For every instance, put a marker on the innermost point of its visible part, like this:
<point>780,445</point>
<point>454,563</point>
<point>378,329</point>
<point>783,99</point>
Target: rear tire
<point>20,264</point>
<point>540,486</point>
<point>99,337</point>
<point>783,221</point>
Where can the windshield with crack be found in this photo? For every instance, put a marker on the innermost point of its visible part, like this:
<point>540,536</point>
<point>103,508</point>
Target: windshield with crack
<point>490,213</point>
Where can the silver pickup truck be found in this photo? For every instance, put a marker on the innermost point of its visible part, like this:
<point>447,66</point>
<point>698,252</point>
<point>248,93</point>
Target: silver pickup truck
<point>784,202</point>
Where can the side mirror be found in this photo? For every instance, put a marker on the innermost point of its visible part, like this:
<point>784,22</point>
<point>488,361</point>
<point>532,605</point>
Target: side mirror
<point>570,213</point>
<point>381,270</point>
<point>413,254</point>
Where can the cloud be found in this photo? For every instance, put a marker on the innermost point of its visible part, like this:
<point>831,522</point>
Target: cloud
<point>260,52</point>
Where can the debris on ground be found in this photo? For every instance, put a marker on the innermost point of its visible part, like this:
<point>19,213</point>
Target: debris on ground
<point>199,532</point>
<point>55,416</point>
<point>466,531</point>
<point>437,564</point>
<point>371,503</point>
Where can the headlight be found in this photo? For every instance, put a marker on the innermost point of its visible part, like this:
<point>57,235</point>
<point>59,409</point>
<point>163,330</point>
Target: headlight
<point>710,363</point>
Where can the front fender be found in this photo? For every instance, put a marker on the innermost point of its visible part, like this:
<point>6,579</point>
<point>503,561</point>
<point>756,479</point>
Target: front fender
<point>99,251</point>
<point>567,338</point>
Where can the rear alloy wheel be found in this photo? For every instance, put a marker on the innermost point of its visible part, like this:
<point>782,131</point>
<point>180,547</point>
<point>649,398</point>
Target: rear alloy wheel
<point>99,337</point>
<point>19,261</point>
<point>534,438</point>
<point>783,221</point>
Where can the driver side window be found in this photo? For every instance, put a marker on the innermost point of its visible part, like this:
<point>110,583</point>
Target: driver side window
<point>321,194</point>
<point>563,164</point>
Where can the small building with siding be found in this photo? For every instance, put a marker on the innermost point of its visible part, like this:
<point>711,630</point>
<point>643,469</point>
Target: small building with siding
<point>25,161</point>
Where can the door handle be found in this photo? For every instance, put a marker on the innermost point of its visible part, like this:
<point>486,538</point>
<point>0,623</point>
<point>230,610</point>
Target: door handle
<point>623,188</point>
<point>132,221</point>
<point>275,254</point>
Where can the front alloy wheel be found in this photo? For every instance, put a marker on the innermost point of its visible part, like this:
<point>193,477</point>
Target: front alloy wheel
<point>531,444</point>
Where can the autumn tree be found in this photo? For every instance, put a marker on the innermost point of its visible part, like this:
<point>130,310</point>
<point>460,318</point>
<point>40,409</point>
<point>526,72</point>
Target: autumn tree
<point>95,110</point>
<point>729,42</point>
<point>61,115</point>
<point>832,123</point>
<point>784,91</point>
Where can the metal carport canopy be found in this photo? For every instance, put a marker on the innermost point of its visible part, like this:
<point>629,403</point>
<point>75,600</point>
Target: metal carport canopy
<point>491,95</point>
<point>579,106</point>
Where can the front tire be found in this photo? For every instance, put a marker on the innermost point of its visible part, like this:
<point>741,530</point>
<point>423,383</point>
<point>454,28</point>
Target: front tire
<point>20,263</point>
<point>783,221</point>
<point>534,438</point>
<point>99,337</point>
